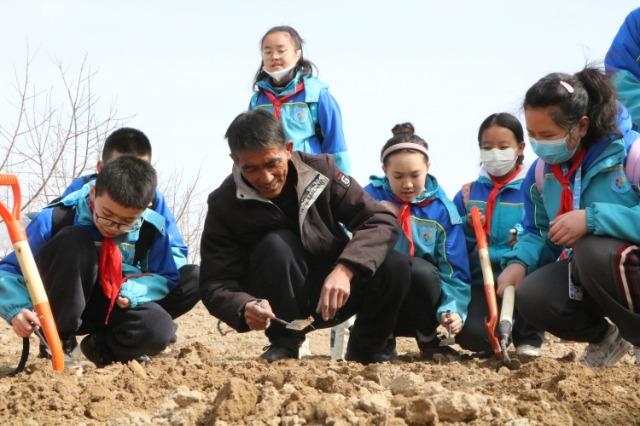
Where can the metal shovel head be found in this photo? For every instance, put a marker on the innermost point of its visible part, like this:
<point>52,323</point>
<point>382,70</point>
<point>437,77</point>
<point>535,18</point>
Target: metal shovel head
<point>447,341</point>
<point>300,324</point>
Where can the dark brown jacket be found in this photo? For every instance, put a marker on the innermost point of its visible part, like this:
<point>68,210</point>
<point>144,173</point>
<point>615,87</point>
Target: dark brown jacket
<point>238,218</point>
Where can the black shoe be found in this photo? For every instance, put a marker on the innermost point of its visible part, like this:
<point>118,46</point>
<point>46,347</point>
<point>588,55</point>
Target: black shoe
<point>94,347</point>
<point>275,352</point>
<point>354,353</point>
<point>68,346</point>
<point>432,347</point>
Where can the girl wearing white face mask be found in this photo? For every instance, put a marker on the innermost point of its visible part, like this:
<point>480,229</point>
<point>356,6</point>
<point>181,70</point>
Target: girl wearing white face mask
<point>499,195</point>
<point>286,87</point>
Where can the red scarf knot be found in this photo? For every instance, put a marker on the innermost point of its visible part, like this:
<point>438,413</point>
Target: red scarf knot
<point>404,219</point>
<point>277,102</point>
<point>110,272</point>
<point>498,184</point>
<point>566,197</point>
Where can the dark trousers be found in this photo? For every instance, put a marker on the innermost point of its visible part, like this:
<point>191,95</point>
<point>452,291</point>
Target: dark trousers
<point>185,294</point>
<point>608,270</point>
<point>473,335</point>
<point>291,280</point>
<point>68,264</point>
<point>418,311</point>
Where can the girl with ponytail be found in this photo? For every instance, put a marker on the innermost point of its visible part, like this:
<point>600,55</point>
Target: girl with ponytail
<point>432,234</point>
<point>577,262</point>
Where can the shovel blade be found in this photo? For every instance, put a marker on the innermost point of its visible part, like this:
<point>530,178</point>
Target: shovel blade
<point>300,324</point>
<point>447,341</point>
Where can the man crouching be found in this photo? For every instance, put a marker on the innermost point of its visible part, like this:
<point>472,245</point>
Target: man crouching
<point>274,245</point>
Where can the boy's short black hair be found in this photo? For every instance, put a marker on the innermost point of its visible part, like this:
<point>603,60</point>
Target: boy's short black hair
<point>126,140</point>
<point>129,181</point>
<point>254,131</point>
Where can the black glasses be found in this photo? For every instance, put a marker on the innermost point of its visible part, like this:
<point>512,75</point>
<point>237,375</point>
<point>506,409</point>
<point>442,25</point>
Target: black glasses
<point>113,224</point>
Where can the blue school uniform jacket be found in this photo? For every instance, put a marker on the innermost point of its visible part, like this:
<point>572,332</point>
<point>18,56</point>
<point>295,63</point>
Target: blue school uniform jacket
<point>179,249</point>
<point>303,114</point>
<point>623,65</point>
<point>438,237</point>
<point>159,270</point>
<point>610,200</point>
<point>507,215</point>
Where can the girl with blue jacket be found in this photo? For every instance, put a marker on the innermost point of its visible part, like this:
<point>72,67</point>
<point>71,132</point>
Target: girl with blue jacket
<point>498,194</point>
<point>577,262</point>
<point>432,235</point>
<point>286,87</point>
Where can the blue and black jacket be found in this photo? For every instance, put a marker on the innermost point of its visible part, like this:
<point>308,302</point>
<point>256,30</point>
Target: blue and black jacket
<point>154,276</point>
<point>611,202</point>
<point>623,65</point>
<point>311,119</point>
<point>178,247</point>
<point>438,237</point>
<point>507,215</point>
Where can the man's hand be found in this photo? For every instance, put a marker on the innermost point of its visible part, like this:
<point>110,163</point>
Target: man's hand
<point>258,314</point>
<point>22,323</point>
<point>568,228</point>
<point>123,302</point>
<point>452,321</point>
<point>335,291</point>
<point>511,275</point>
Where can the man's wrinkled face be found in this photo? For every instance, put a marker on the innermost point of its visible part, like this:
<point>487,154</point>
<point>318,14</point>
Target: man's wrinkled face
<point>265,170</point>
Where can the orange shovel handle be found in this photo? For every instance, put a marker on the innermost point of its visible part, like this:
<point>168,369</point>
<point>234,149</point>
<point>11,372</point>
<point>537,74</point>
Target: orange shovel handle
<point>489,286</point>
<point>30,272</point>
<point>12,218</point>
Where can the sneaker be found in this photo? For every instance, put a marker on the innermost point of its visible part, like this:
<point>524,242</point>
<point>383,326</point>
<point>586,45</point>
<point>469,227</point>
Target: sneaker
<point>354,353</point>
<point>94,348</point>
<point>275,352</point>
<point>637,351</point>
<point>608,351</point>
<point>529,350</point>
<point>428,349</point>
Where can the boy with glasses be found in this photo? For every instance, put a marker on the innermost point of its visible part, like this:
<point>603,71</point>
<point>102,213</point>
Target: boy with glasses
<point>100,279</point>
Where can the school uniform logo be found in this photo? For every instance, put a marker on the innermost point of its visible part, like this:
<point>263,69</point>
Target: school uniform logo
<point>620,183</point>
<point>301,115</point>
<point>343,180</point>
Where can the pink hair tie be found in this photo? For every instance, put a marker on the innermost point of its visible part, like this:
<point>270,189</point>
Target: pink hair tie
<point>567,86</point>
<point>404,145</point>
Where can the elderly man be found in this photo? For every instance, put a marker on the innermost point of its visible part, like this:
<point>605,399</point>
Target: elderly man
<point>274,245</point>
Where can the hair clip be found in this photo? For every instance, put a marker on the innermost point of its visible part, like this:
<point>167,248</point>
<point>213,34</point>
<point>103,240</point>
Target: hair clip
<point>567,86</point>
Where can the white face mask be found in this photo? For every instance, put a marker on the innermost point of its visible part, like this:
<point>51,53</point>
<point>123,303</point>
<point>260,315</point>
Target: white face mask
<point>498,162</point>
<point>280,74</point>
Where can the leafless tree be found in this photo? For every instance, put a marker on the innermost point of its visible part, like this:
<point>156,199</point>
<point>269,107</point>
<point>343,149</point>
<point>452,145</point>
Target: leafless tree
<point>57,135</point>
<point>188,205</point>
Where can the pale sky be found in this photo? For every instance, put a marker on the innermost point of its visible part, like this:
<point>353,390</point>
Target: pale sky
<point>184,69</point>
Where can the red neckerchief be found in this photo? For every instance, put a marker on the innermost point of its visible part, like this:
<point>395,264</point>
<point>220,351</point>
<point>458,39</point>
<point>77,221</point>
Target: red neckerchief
<point>566,197</point>
<point>277,102</point>
<point>110,272</point>
<point>498,184</point>
<point>404,219</point>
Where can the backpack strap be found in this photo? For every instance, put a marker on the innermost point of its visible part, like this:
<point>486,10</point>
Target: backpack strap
<point>313,108</point>
<point>632,165</point>
<point>540,176</point>
<point>62,216</point>
<point>145,239</point>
